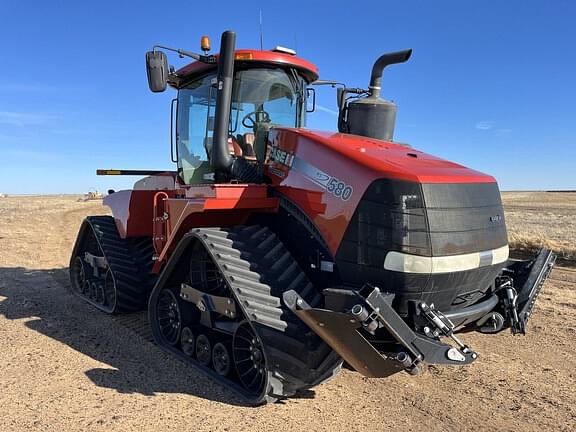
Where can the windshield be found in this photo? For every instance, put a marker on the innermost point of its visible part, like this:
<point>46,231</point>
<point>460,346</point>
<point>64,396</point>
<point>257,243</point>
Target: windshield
<point>261,98</point>
<point>276,92</point>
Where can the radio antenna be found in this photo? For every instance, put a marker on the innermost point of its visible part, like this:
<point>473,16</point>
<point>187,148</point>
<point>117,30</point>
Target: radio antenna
<point>261,33</point>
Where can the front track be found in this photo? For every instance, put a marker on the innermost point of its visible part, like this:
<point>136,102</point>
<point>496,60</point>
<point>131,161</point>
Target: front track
<point>257,347</point>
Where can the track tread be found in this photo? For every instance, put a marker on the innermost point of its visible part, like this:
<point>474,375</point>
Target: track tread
<point>129,259</point>
<point>263,270</point>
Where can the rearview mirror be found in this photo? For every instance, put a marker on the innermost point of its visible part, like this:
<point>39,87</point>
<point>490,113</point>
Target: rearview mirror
<point>157,70</point>
<point>339,98</point>
<point>310,99</point>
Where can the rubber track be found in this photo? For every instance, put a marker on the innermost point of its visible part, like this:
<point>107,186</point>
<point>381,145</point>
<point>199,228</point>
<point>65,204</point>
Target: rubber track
<point>259,269</point>
<point>530,306</point>
<point>129,259</point>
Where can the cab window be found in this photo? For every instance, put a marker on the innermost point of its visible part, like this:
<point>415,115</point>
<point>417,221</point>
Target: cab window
<point>195,128</point>
<point>261,98</point>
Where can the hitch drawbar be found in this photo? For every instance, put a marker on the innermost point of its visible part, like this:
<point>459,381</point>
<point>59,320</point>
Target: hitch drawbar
<point>343,331</point>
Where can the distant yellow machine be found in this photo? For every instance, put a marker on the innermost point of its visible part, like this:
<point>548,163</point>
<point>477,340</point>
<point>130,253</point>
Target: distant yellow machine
<point>91,196</point>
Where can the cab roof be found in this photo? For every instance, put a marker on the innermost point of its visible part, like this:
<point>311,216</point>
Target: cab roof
<point>245,57</point>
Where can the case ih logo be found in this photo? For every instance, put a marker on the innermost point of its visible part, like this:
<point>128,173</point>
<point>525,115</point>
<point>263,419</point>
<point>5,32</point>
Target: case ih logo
<point>333,185</point>
<point>281,156</point>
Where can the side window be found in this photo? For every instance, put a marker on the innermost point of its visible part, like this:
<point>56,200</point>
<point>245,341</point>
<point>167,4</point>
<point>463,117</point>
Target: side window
<point>194,131</point>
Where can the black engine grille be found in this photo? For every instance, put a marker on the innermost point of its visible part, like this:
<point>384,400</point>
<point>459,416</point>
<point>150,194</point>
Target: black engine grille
<point>426,220</point>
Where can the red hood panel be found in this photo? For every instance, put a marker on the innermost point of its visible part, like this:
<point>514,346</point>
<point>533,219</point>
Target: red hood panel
<point>394,160</point>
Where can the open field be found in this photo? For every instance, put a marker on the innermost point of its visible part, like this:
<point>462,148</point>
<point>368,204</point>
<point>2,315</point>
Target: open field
<point>537,219</point>
<point>66,367</point>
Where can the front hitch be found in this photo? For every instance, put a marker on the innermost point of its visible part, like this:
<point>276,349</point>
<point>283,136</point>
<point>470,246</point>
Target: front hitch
<point>347,332</point>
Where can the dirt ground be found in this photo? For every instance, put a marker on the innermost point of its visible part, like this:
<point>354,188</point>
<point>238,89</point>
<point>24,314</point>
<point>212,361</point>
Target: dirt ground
<point>66,367</point>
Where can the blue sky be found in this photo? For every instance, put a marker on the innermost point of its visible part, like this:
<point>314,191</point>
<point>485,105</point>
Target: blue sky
<point>490,84</point>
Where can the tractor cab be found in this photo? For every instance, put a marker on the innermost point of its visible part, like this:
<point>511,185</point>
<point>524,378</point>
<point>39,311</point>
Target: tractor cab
<point>268,88</point>
<point>262,96</point>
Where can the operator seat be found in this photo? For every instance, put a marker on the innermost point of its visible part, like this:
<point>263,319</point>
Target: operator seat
<point>234,147</point>
<point>246,143</point>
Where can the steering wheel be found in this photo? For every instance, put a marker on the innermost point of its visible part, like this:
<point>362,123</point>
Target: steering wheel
<point>250,119</point>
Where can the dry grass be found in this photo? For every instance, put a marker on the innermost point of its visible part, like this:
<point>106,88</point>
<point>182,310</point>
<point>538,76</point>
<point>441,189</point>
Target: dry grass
<point>542,219</point>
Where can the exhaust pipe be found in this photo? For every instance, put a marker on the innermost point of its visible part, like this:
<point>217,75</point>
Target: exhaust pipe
<point>221,159</point>
<point>371,116</point>
<point>225,165</point>
<point>379,65</point>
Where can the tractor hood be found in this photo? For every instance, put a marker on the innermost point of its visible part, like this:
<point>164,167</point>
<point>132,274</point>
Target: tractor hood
<point>330,174</point>
<point>387,158</point>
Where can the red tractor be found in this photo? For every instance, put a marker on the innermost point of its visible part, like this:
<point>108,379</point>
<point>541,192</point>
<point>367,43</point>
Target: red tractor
<point>274,252</point>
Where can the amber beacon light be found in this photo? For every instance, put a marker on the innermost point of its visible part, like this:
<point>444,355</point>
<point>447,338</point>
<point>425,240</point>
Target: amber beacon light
<point>205,44</point>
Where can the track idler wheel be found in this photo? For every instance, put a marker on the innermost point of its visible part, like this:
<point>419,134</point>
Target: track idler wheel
<point>187,342</point>
<point>169,318</point>
<point>203,350</point>
<point>221,359</point>
<point>249,358</point>
<point>79,279</point>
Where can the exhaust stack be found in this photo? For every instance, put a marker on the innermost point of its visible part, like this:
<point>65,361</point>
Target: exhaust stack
<point>226,166</point>
<point>372,116</point>
<point>380,64</point>
<point>220,158</point>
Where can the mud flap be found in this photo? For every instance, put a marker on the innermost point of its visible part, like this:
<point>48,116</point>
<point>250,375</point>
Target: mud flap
<point>343,331</point>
